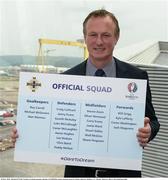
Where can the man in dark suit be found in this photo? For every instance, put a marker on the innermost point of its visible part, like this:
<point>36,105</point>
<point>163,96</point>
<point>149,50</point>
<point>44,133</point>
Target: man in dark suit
<point>101,33</point>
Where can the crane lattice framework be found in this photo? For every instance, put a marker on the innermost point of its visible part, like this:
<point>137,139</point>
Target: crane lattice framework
<point>41,57</point>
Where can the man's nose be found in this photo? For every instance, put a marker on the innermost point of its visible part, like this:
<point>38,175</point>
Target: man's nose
<point>99,40</point>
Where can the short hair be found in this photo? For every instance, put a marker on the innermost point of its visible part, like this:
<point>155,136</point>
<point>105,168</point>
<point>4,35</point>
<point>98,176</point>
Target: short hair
<point>102,13</point>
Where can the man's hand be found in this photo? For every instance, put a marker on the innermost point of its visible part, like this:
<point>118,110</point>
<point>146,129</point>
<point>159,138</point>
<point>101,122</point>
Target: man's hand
<point>144,133</point>
<point>14,135</point>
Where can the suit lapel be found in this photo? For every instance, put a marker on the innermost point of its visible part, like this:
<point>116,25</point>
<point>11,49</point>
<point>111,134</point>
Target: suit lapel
<point>79,69</point>
<point>82,68</point>
<point>121,71</point>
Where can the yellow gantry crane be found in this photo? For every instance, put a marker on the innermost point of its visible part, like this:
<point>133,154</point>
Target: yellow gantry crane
<point>41,57</point>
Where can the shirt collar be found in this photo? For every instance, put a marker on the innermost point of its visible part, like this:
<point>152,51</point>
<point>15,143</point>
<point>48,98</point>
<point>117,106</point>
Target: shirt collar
<point>109,69</point>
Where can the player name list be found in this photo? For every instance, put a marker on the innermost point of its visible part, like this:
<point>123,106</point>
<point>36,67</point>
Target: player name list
<point>74,125</point>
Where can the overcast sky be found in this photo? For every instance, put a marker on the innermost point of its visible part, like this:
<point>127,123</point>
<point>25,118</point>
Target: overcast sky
<point>23,22</point>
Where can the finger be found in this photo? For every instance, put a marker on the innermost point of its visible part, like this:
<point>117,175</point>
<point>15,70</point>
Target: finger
<point>143,134</point>
<point>144,130</point>
<point>146,121</point>
<point>142,140</point>
<point>14,131</point>
<point>13,141</point>
<point>14,134</point>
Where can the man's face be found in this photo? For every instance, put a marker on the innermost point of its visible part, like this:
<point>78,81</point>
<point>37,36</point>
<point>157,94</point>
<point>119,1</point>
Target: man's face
<point>100,38</point>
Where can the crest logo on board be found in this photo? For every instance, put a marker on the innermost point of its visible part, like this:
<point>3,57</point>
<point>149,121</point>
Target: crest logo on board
<point>33,84</point>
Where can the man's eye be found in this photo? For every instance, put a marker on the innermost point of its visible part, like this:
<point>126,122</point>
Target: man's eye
<point>107,35</point>
<point>93,35</point>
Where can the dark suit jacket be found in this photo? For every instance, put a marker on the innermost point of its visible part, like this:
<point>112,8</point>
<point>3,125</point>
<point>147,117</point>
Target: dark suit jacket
<point>123,70</point>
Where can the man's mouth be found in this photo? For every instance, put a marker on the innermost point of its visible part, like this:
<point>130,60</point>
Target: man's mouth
<point>99,49</point>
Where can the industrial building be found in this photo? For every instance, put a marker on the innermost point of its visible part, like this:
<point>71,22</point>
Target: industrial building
<point>153,57</point>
